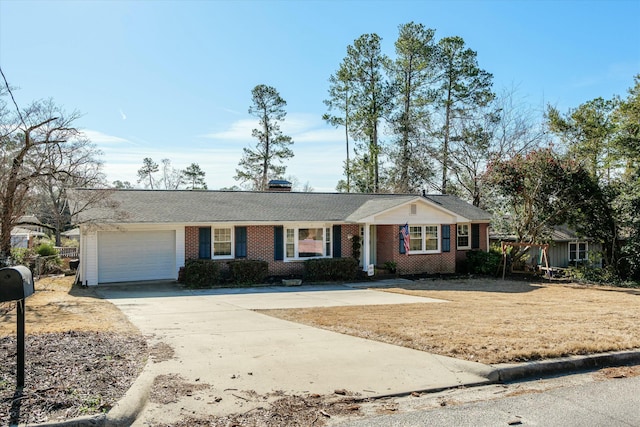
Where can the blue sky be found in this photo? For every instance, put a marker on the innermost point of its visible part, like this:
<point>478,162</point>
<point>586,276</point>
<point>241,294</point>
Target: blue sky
<point>173,79</point>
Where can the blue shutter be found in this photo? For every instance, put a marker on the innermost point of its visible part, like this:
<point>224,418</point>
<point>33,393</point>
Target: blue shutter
<point>204,243</point>
<point>337,241</point>
<point>278,243</point>
<point>475,236</point>
<point>446,238</point>
<point>401,247</point>
<point>241,242</point>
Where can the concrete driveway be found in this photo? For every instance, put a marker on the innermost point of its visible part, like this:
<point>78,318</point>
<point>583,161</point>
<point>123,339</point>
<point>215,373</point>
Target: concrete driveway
<point>219,341</point>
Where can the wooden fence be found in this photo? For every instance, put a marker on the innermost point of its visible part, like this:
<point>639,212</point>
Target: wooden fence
<point>65,252</point>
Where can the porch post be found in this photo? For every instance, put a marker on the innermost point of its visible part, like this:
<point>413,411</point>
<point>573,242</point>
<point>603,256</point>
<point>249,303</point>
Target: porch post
<point>366,239</point>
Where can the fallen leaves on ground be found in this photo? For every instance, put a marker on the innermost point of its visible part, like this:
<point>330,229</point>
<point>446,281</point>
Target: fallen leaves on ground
<point>68,374</point>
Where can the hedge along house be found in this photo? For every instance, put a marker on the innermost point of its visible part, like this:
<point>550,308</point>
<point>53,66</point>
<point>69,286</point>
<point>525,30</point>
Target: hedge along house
<point>157,231</point>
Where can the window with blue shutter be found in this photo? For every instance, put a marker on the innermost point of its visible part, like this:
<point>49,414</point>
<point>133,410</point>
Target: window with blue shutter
<point>204,243</point>
<point>241,242</point>
<point>446,238</point>
<point>337,241</point>
<point>475,236</point>
<point>278,243</point>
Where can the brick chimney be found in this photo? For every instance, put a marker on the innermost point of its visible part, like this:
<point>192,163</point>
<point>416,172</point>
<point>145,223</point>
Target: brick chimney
<point>279,185</point>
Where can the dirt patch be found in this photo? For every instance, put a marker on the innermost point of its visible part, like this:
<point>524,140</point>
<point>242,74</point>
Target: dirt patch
<point>161,352</point>
<point>170,388</point>
<point>279,410</point>
<point>492,321</point>
<point>68,374</point>
<point>618,372</point>
<point>81,355</point>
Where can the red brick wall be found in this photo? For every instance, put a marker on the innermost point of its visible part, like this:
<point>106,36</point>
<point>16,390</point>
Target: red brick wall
<point>388,249</point>
<point>347,244</point>
<point>260,246</point>
<point>191,237</point>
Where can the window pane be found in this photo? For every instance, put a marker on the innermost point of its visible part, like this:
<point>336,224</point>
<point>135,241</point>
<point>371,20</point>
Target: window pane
<point>223,248</point>
<point>221,241</point>
<point>310,242</point>
<point>431,238</point>
<point>222,235</point>
<point>327,241</point>
<point>415,238</point>
<point>463,235</point>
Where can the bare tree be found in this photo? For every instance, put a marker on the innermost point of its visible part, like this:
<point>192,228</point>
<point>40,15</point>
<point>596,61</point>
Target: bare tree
<point>27,137</point>
<point>172,178</point>
<point>79,167</point>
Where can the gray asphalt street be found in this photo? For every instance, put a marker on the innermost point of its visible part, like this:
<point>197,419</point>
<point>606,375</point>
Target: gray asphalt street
<point>608,403</point>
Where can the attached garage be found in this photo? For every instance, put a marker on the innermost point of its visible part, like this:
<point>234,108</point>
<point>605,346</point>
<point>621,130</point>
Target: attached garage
<point>125,256</point>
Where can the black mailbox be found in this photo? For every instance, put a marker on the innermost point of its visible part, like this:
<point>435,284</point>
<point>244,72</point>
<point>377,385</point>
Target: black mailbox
<point>16,283</point>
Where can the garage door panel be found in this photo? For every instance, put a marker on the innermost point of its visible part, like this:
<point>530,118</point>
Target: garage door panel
<point>136,255</point>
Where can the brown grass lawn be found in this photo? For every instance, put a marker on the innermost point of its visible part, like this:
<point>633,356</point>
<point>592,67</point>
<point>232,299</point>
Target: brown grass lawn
<point>492,321</point>
<point>56,306</point>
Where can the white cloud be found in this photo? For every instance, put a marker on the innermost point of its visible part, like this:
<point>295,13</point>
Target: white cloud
<point>123,115</point>
<point>302,127</point>
<point>240,130</point>
<point>98,137</point>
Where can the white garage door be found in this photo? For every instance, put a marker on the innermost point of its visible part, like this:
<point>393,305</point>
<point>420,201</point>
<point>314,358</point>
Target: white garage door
<point>136,255</point>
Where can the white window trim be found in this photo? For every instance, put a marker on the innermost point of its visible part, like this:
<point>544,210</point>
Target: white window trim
<point>296,227</point>
<point>424,239</point>
<point>213,241</point>
<point>577,251</point>
<point>468,224</point>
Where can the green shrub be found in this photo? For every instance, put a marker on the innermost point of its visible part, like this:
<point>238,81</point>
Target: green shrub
<point>390,266</point>
<point>331,269</point>
<point>202,273</point>
<point>46,249</point>
<point>599,275</point>
<point>248,272</point>
<point>481,262</point>
<point>20,255</point>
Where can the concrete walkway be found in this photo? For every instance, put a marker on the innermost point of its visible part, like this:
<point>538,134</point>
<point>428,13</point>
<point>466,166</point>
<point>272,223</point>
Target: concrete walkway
<point>219,341</point>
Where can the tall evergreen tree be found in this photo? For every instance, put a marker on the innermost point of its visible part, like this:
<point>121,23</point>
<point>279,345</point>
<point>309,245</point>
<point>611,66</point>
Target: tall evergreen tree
<point>589,132</point>
<point>261,163</point>
<point>194,176</point>
<point>412,74</point>
<point>145,173</point>
<point>371,99</point>
<point>341,100</point>
<point>463,87</point>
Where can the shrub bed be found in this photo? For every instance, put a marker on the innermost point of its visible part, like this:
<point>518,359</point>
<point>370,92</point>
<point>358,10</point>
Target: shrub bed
<point>481,262</point>
<point>202,273</point>
<point>248,272</point>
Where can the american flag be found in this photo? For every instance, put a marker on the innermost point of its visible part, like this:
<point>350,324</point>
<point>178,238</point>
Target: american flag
<point>405,237</point>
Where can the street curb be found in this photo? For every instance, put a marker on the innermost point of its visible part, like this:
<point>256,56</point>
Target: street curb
<point>510,372</point>
<point>127,409</point>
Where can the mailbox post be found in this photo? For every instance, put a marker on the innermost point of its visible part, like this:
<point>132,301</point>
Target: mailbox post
<point>16,284</point>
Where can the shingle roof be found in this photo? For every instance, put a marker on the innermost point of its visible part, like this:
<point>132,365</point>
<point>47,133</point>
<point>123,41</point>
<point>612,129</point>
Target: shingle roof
<point>184,206</point>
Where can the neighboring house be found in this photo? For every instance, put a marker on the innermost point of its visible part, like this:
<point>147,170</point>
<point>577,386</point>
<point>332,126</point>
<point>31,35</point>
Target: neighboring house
<point>565,248</point>
<point>31,222</point>
<point>163,229</point>
<point>23,237</point>
<point>73,234</point>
